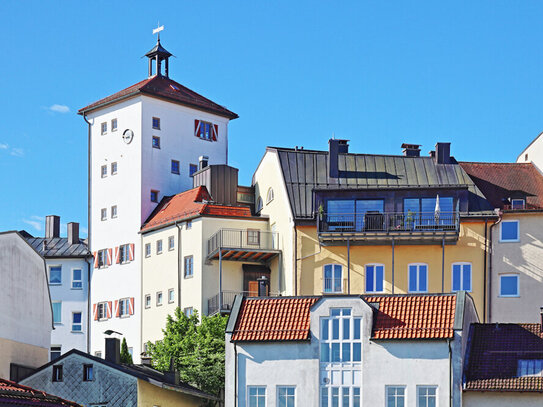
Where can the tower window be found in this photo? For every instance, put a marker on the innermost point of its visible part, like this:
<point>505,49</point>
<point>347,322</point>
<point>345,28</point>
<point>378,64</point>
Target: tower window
<point>156,142</point>
<point>154,196</point>
<point>113,168</point>
<point>114,211</point>
<point>114,125</point>
<point>156,123</point>
<point>175,167</point>
<point>104,171</point>
<point>103,214</point>
<point>103,128</point>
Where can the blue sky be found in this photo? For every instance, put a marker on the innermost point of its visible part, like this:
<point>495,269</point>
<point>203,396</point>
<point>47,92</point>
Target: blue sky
<point>376,72</point>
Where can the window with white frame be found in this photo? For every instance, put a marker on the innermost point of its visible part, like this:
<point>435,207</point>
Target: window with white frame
<point>188,311</point>
<point>114,125</point>
<point>159,298</point>
<point>171,295</point>
<point>124,307</point>
<point>189,266</point>
<point>148,301</point>
<point>113,168</point>
<point>103,171</point>
<point>509,286</point>
<point>375,276</point>
<point>253,237</point>
<point>124,253</point>
<point>340,358</point>
<point>518,204</point>
<point>114,211</point>
<point>256,396</point>
<point>171,242</point>
<point>269,196</point>
<point>530,367</point>
<point>101,310</point>
<point>395,396</point>
<point>102,257</point>
<point>333,278</point>
<point>147,249</point>
<point>57,311</point>
<point>159,246</point>
<point>426,396</point>
<point>77,325</point>
<point>103,214</point>
<point>55,275</point>
<point>286,396</point>
<point>103,128</point>
<point>418,278</point>
<point>77,279</point>
<point>461,276</point>
<point>188,225</point>
<point>509,231</point>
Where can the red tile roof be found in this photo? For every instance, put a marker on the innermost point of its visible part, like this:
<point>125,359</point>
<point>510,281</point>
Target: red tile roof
<point>494,352</point>
<point>274,319</point>
<point>160,86</point>
<point>499,180</point>
<point>190,204</point>
<point>397,317</point>
<point>413,316</point>
<point>12,393</point>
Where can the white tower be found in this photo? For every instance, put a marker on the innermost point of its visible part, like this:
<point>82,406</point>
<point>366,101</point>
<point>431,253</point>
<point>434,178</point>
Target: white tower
<point>144,143</point>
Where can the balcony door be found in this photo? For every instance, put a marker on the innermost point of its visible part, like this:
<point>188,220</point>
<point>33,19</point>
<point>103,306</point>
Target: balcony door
<point>355,215</point>
<point>251,274</point>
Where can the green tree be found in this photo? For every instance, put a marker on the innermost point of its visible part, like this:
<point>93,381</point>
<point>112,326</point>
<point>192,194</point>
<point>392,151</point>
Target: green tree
<point>126,357</point>
<point>197,348</point>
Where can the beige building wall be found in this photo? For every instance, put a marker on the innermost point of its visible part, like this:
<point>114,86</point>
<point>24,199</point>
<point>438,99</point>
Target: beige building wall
<point>150,395</point>
<point>499,399</point>
<point>21,354</point>
<point>268,175</point>
<point>525,259</point>
<point>469,248</point>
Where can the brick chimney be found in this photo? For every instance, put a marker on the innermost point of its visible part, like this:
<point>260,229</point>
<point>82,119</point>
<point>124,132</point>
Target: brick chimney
<point>73,233</point>
<point>52,226</point>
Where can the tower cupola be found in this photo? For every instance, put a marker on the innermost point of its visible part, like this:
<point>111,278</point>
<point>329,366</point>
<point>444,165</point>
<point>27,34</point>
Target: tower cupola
<point>158,54</point>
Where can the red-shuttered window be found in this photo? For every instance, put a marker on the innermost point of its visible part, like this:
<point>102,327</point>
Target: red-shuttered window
<point>206,130</point>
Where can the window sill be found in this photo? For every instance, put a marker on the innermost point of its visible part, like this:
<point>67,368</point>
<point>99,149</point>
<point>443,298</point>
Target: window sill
<point>171,302</point>
<point>175,173</point>
<point>510,241</point>
<point>77,332</point>
<point>147,256</point>
<point>55,283</point>
<point>189,276</point>
<point>124,316</point>
<point>149,307</point>
<point>77,288</point>
<point>508,296</point>
<point>159,305</point>
<point>158,253</point>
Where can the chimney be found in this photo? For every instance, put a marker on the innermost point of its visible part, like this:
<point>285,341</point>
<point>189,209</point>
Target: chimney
<point>172,375</point>
<point>443,153</point>
<point>113,350</point>
<point>433,154</point>
<point>263,286</point>
<point>203,161</point>
<point>335,148</point>
<point>52,226</point>
<point>411,150</point>
<point>73,233</point>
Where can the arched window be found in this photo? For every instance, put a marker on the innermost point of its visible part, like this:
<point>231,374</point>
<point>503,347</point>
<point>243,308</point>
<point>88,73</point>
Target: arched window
<point>333,279</point>
<point>258,206</point>
<point>269,196</point>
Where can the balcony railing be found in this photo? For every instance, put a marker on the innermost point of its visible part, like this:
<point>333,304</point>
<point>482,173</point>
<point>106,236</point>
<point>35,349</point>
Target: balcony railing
<point>242,239</point>
<point>388,223</point>
<point>224,304</point>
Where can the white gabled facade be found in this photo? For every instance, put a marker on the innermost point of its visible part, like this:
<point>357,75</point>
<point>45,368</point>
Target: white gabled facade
<point>122,174</point>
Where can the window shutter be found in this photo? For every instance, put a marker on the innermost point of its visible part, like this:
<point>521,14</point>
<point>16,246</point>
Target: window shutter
<point>109,309</point>
<point>131,251</point>
<point>117,308</point>
<point>215,132</point>
<point>94,313</point>
<point>109,256</point>
<point>117,257</point>
<point>131,307</point>
<point>197,128</point>
<point>95,254</point>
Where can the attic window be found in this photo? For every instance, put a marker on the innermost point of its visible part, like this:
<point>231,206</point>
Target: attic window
<point>530,367</point>
<point>526,157</point>
<point>518,204</point>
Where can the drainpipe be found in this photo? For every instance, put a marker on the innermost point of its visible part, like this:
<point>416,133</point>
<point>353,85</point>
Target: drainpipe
<point>348,266</point>
<point>235,374</point>
<point>484,270</point>
<point>393,265</point>
<point>220,276</point>
<point>443,265</point>
<point>499,213</point>
<point>450,374</point>
<point>89,145</point>
<point>89,318</point>
<point>296,260</point>
<point>179,261</point>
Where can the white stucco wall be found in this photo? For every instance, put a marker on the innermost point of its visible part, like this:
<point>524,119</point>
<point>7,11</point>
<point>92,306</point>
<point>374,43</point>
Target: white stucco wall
<point>533,153</point>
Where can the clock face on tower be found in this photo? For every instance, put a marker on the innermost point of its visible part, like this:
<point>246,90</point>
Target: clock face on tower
<point>128,135</point>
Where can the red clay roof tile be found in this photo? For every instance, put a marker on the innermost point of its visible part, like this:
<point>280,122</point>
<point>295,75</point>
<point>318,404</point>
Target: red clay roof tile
<point>12,393</point>
<point>160,86</point>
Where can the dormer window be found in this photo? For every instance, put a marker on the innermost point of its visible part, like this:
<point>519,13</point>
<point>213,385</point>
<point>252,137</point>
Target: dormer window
<point>530,367</point>
<point>518,203</point>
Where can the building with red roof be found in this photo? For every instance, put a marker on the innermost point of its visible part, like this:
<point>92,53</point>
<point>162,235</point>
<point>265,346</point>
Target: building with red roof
<point>371,350</point>
<point>515,272</point>
<point>13,394</point>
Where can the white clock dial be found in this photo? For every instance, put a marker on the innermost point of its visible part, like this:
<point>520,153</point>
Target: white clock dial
<point>128,135</point>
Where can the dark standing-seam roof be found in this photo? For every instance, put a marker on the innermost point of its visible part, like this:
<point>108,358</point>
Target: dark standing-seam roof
<point>58,247</point>
<point>307,170</point>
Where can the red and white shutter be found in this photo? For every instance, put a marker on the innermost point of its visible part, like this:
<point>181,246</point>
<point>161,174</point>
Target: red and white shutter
<point>131,306</point>
<point>94,313</point>
<point>95,254</point>
<point>215,132</point>
<point>109,256</point>
<point>117,257</point>
<point>197,128</point>
<point>117,309</point>
<point>131,254</point>
<point>109,309</point>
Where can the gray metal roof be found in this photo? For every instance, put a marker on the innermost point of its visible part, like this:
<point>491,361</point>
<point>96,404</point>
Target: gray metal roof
<point>58,247</point>
<point>307,170</point>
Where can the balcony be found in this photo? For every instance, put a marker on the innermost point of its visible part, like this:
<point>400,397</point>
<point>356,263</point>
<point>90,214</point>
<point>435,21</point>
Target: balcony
<point>248,245</point>
<point>224,304</point>
<point>381,227</point>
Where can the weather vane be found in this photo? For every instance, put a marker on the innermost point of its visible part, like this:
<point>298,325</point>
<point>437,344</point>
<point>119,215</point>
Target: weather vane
<point>158,30</point>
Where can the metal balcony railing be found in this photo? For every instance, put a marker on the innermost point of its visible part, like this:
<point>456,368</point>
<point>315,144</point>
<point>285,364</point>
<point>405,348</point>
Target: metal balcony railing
<point>246,239</point>
<point>224,304</point>
<point>388,222</point>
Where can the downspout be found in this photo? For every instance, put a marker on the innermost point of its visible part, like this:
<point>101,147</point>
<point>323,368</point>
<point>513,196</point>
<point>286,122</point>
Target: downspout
<point>235,374</point>
<point>295,260</point>
<point>484,270</point>
<point>179,261</point>
<point>489,313</point>
<point>393,265</point>
<point>443,264</point>
<point>88,301</point>
<point>348,266</point>
<point>89,145</point>
<point>450,374</point>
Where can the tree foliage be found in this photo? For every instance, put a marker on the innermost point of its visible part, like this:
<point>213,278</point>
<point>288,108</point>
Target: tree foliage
<point>197,348</point>
<point>126,357</point>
